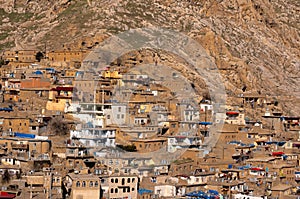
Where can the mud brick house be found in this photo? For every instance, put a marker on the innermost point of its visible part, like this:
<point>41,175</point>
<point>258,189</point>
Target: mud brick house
<point>66,57</point>
<point>12,90</point>
<point>35,90</point>
<point>149,145</point>
<point>281,191</point>
<point>15,124</point>
<point>77,154</point>
<point>82,186</point>
<point>228,133</point>
<point>182,167</point>
<point>58,98</point>
<point>27,148</point>
<point>285,172</point>
<point>123,186</point>
<point>20,58</point>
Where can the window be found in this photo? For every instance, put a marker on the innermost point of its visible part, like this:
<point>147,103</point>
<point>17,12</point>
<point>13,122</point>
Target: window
<point>132,189</point>
<point>96,183</point>
<point>119,109</point>
<point>112,180</point>
<point>116,190</point>
<point>133,179</point>
<point>123,181</point>
<point>77,184</point>
<point>128,180</point>
<point>117,180</point>
<point>91,183</point>
<point>83,184</point>
<point>111,190</point>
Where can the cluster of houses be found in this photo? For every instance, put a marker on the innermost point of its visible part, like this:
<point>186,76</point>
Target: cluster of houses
<point>111,133</point>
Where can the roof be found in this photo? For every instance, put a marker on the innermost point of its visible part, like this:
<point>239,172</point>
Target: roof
<point>74,176</point>
<point>61,88</point>
<point>281,187</point>
<point>229,128</point>
<point>265,159</point>
<point>149,140</point>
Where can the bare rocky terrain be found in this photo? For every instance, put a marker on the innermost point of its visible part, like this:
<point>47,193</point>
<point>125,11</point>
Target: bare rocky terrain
<point>254,43</point>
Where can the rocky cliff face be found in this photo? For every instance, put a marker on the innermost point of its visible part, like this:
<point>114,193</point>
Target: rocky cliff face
<point>255,43</point>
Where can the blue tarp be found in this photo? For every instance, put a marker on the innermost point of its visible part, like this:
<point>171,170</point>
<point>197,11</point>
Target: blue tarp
<point>142,191</point>
<point>196,194</point>
<point>6,109</point>
<point>214,192</point>
<point>244,167</point>
<point>24,135</point>
<point>38,72</point>
<point>205,123</point>
<point>281,143</point>
<point>234,142</point>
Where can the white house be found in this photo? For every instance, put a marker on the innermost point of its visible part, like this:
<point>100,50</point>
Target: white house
<point>165,190</point>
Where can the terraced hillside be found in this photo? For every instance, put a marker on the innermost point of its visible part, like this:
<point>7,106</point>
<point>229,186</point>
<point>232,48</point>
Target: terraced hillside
<point>254,43</point>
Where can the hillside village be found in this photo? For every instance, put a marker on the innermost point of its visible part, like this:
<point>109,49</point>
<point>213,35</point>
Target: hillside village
<point>114,133</point>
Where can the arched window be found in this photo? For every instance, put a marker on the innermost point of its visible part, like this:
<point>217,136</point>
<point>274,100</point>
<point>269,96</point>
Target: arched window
<point>77,184</point>
<point>112,180</point>
<point>83,184</point>
<point>116,180</point>
<point>111,190</point>
<point>91,183</point>
<point>96,183</point>
<point>128,180</point>
<point>123,181</point>
<point>116,190</point>
<point>133,179</point>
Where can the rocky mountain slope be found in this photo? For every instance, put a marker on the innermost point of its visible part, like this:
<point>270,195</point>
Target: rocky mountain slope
<point>254,43</point>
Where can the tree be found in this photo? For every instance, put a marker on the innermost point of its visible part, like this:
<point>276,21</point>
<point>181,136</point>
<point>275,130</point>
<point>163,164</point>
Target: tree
<point>19,174</point>
<point>2,62</point>
<point>58,126</point>
<point>39,56</point>
<point>6,176</point>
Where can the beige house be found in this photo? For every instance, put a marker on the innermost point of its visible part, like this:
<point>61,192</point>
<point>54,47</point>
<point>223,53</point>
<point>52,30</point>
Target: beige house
<point>123,186</point>
<point>82,186</point>
<point>281,191</point>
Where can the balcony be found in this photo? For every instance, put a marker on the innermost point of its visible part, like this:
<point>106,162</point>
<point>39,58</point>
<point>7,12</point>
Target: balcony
<point>80,154</point>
